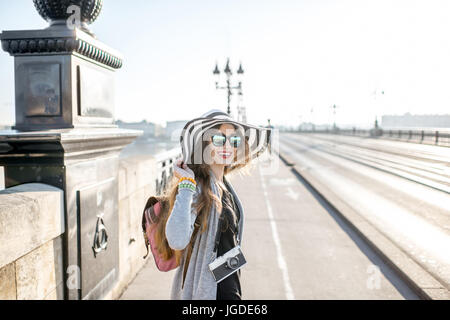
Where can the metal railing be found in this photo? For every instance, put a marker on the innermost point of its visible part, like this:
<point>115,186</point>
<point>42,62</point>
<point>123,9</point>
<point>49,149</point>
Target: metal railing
<point>433,137</point>
<point>164,165</point>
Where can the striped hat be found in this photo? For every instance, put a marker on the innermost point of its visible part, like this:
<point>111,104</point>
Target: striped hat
<point>258,138</point>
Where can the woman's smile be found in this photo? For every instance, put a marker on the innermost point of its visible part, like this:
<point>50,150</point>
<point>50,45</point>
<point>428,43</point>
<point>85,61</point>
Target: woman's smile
<point>225,154</point>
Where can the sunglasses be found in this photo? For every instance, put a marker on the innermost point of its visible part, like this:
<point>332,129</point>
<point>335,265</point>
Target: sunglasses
<point>219,140</point>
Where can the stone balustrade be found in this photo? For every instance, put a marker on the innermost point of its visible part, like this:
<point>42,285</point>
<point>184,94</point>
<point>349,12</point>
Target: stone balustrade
<point>139,178</point>
<point>32,224</point>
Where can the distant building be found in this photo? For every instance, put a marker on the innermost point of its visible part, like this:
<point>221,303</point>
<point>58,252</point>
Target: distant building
<point>174,128</point>
<point>417,121</point>
<point>5,127</point>
<point>159,130</point>
<point>153,130</point>
<point>149,128</point>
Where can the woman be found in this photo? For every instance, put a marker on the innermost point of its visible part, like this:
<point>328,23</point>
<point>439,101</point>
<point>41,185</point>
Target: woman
<point>205,217</point>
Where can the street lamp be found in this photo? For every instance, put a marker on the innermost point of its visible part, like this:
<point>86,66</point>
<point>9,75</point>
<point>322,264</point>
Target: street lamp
<point>216,71</point>
<point>334,116</point>
<point>375,94</point>
<point>228,86</point>
<point>240,71</point>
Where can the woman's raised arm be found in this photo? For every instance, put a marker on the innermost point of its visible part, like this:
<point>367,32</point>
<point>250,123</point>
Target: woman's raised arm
<point>180,224</point>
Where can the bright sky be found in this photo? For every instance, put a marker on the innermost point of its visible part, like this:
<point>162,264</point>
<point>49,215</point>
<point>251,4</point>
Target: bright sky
<point>297,55</point>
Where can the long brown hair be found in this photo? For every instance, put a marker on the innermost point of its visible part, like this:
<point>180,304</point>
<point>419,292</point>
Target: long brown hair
<point>203,204</point>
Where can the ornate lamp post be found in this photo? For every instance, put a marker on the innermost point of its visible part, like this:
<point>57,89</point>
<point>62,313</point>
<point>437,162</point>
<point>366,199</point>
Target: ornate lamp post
<point>228,86</point>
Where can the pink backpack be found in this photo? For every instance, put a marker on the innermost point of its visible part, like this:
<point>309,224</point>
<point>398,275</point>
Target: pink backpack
<point>149,222</point>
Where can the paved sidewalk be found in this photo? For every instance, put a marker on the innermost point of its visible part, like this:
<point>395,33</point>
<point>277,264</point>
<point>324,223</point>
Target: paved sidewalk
<point>295,249</point>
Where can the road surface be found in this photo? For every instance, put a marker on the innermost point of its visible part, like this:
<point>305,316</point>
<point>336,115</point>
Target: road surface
<point>401,188</point>
<point>296,248</point>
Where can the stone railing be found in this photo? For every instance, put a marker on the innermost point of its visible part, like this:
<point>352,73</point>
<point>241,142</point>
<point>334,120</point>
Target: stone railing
<point>139,178</point>
<point>136,182</point>
<point>31,225</point>
<point>65,136</point>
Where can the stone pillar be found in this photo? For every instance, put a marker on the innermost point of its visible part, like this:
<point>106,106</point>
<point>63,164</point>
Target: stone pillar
<point>65,136</point>
<point>2,178</point>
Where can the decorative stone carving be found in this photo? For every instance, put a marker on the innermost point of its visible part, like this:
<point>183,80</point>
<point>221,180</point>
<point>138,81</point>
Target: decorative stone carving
<point>61,45</point>
<point>56,10</point>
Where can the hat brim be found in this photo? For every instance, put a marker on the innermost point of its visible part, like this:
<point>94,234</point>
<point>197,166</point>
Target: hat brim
<point>258,138</point>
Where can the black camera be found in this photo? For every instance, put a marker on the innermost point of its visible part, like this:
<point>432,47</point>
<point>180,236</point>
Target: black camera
<point>227,264</point>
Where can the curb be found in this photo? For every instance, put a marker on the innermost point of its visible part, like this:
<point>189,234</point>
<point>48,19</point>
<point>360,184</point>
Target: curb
<point>425,285</point>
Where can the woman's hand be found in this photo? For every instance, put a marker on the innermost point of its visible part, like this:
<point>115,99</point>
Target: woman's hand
<point>181,170</point>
